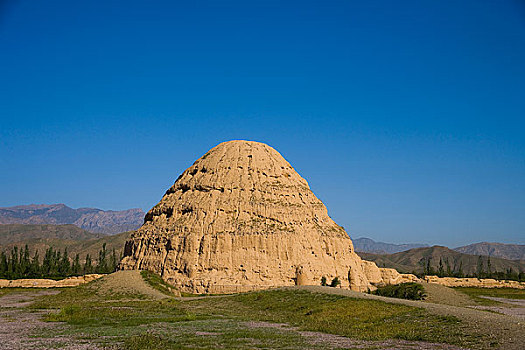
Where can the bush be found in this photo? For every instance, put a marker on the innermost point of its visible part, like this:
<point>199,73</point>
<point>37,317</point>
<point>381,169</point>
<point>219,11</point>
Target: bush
<point>410,290</point>
<point>335,282</point>
<point>323,281</point>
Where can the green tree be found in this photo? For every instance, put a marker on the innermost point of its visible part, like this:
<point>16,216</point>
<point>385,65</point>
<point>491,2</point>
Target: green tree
<point>14,264</point>
<point>114,261</point>
<point>511,275</point>
<point>449,269</point>
<point>479,270</point>
<point>34,268</point>
<point>441,270</point>
<point>3,265</point>
<point>24,262</point>
<point>76,269</point>
<point>88,265</point>
<point>47,262</point>
<point>102,266</point>
<point>64,268</point>
<point>489,268</point>
<point>55,262</point>
<point>429,270</point>
<point>460,270</point>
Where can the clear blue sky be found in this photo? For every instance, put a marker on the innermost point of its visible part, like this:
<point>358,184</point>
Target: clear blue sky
<point>407,118</point>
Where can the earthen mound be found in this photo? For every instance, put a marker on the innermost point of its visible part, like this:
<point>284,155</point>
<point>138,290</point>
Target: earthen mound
<point>241,218</point>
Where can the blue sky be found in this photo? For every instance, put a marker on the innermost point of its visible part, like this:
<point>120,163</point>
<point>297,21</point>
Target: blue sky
<point>407,119</point>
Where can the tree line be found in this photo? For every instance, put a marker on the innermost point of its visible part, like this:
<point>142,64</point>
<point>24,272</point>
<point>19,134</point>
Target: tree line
<point>483,270</point>
<point>54,264</point>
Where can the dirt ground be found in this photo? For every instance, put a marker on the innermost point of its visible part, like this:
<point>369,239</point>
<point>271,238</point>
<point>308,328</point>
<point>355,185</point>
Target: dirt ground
<point>17,324</point>
<point>439,294</point>
<point>513,307</point>
<point>126,282</point>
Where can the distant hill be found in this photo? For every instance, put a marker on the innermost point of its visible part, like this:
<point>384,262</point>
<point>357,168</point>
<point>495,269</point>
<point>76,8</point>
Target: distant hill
<point>41,237</point>
<point>24,233</point>
<point>499,250</point>
<point>370,246</point>
<point>90,219</point>
<point>415,259</point>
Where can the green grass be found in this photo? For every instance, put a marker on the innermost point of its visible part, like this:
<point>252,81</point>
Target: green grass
<point>355,318</point>
<point>156,282</point>
<point>127,314</point>
<point>475,293</point>
<point>227,335</point>
<point>133,322</point>
<point>6,291</point>
<point>147,341</point>
<point>85,306</point>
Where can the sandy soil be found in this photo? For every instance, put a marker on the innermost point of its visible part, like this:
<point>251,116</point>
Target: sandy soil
<point>439,294</point>
<point>126,282</point>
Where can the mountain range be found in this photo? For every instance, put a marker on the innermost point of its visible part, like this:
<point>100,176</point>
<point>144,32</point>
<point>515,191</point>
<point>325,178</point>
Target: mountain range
<point>90,219</point>
<point>501,250</point>
<point>370,246</point>
<point>414,260</point>
<point>497,250</point>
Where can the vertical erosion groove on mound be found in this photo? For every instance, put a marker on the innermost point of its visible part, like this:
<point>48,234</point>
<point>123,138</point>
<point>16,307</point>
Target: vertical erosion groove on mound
<point>241,218</point>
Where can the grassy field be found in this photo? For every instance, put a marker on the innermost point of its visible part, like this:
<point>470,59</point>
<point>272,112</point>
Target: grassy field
<point>476,293</point>
<point>276,319</point>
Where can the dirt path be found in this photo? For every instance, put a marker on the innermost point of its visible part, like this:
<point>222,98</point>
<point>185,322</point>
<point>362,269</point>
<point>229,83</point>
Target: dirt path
<point>19,325</point>
<point>508,330</point>
<point>439,294</point>
<point>514,307</point>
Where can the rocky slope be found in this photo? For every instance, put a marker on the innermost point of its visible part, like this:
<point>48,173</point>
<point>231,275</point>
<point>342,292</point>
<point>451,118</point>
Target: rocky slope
<point>90,219</point>
<point>241,218</point>
<point>368,245</point>
<point>499,250</point>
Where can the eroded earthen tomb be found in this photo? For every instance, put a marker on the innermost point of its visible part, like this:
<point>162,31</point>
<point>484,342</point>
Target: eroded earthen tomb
<point>241,218</point>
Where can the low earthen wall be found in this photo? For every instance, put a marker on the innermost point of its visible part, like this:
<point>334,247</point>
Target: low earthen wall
<point>474,282</point>
<point>47,283</point>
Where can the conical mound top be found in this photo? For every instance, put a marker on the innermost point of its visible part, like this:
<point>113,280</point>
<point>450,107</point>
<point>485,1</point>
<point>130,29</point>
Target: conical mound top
<point>242,218</point>
<point>242,164</point>
<point>241,187</point>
